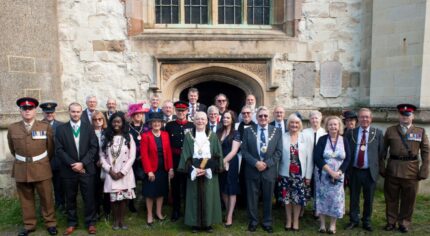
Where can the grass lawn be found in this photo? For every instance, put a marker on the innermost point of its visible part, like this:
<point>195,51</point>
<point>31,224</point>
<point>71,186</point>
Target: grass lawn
<point>10,222</point>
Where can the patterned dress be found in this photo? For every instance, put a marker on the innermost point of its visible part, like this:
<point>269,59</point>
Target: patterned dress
<point>292,188</point>
<point>330,196</point>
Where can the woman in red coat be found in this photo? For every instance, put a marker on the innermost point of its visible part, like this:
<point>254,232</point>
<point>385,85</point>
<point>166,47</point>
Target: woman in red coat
<point>156,157</point>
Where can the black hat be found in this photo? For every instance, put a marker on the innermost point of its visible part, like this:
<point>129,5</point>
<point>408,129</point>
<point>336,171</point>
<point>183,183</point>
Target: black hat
<point>299,115</point>
<point>181,105</point>
<point>27,102</point>
<point>349,115</point>
<point>154,116</point>
<point>48,106</point>
<point>406,109</point>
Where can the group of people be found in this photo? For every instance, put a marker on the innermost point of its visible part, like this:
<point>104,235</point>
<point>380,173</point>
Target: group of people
<point>205,157</point>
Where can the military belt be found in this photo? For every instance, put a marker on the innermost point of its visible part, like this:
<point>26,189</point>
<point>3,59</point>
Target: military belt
<point>31,159</point>
<point>400,158</point>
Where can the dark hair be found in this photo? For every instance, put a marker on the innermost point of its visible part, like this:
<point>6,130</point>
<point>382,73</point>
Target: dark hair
<point>221,130</point>
<point>109,132</point>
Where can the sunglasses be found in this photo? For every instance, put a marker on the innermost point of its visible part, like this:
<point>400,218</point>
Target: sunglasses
<point>246,113</point>
<point>98,119</point>
<point>263,116</point>
<point>221,100</point>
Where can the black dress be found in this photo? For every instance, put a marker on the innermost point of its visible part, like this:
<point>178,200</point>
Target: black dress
<point>229,180</point>
<point>159,187</point>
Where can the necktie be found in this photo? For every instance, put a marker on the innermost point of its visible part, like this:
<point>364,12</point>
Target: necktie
<point>280,127</point>
<point>212,127</point>
<point>315,139</point>
<point>193,110</point>
<point>361,150</point>
<point>404,129</point>
<point>27,127</point>
<point>263,147</point>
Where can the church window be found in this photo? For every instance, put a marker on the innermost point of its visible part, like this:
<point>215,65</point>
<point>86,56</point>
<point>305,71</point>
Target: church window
<point>229,11</point>
<point>167,11</point>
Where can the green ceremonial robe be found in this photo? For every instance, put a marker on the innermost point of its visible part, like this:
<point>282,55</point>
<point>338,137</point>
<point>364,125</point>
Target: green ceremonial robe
<point>203,204</point>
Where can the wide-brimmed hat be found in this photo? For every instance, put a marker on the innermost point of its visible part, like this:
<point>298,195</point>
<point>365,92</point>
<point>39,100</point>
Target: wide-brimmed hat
<point>156,116</point>
<point>137,108</point>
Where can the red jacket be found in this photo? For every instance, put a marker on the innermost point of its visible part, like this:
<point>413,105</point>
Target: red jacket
<point>149,153</point>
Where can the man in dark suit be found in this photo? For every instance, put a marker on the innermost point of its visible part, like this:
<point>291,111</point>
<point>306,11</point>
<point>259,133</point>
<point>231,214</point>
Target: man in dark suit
<point>111,108</point>
<point>213,121</point>
<point>91,102</point>
<point>76,147</point>
<point>48,109</point>
<point>154,106</point>
<point>193,104</point>
<point>367,145</point>
<point>261,151</point>
<point>279,122</point>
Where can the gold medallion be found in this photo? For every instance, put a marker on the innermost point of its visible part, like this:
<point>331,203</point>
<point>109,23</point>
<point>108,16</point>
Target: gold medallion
<point>333,154</point>
<point>263,149</point>
<point>138,137</point>
<point>363,148</point>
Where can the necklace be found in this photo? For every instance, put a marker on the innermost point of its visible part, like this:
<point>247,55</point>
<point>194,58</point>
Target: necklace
<point>333,147</point>
<point>199,145</point>
<point>363,146</point>
<point>137,131</point>
<point>114,154</point>
<point>156,135</point>
<point>263,149</point>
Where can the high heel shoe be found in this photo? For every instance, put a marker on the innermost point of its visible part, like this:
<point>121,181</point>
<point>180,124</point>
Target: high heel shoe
<point>322,231</point>
<point>228,225</point>
<point>150,223</point>
<point>160,218</point>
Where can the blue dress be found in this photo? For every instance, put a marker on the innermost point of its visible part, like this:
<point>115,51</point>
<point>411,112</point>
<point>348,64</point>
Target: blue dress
<point>330,196</point>
<point>229,180</point>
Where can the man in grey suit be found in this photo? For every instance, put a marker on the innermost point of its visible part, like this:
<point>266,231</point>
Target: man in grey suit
<point>261,151</point>
<point>367,145</point>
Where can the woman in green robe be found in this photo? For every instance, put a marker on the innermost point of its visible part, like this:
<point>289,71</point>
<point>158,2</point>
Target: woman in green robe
<point>202,160</point>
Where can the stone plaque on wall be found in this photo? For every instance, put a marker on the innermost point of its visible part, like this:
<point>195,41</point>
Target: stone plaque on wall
<point>331,79</point>
<point>304,80</point>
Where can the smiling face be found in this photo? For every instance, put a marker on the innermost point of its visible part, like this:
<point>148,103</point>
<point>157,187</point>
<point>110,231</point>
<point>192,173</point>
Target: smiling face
<point>181,114</point>
<point>293,126</point>
<point>92,103</point>
<point>49,116</point>
<point>117,125</point>
<point>168,109</point>
<point>246,115</point>
<point>279,114</point>
<point>200,121</point>
<point>333,126</point>
<point>156,125</point>
<point>98,121</point>
<point>350,123</point>
<point>263,117</point>
<point>250,100</point>
<point>111,105</point>
<point>315,121</point>
<point>364,118</point>
<point>406,120</point>
<point>221,102</point>
<point>193,97</point>
<point>227,119</point>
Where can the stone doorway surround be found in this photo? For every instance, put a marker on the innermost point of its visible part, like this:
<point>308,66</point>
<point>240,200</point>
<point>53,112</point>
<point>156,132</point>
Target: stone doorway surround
<point>250,75</point>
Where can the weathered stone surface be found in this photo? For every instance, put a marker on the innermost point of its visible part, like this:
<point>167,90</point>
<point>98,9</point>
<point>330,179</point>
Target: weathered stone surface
<point>109,45</point>
<point>21,64</point>
<point>304,80</point>
<point>331,79</point>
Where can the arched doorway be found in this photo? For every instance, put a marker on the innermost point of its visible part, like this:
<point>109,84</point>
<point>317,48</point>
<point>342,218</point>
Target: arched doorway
<point>208,91</point>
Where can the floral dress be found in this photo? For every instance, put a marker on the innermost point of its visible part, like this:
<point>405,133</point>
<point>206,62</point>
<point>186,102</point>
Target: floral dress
<point>292,188</point>
<point>330,195</point>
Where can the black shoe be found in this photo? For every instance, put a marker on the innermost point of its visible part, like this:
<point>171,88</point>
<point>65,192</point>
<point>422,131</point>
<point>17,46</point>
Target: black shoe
<point>132,208</point>
<point>194,229</point>
<point>403,229</point>
<point>351,225</point>
<point>252,228</point>
<point>389,227</point>
<point>209,229</point>
<point>367,227</point>
<point>227,226</point>
<point>175,216</point>
<point>52,230</point>
<point>26,232</point>
<point>268,229</point>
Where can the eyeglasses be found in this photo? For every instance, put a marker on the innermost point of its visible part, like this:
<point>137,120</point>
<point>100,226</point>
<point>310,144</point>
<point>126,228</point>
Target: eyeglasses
<point>221,100</point>
<point>98,119</point>
<point>246,113</point>
<point>27,108</point>
<point>263,116</point>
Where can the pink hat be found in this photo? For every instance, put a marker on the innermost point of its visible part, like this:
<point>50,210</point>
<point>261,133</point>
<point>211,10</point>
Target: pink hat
<point>137,108</point>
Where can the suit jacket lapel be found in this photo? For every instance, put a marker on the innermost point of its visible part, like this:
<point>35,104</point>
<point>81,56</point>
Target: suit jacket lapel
<point>70,137</point>
<point>254,138</point>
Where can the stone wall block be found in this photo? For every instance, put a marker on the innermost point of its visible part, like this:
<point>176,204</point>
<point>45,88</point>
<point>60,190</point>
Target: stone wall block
<point>316,9</point>
<point>109,45</point>
<point>86,56</point>
<point>338,9</point>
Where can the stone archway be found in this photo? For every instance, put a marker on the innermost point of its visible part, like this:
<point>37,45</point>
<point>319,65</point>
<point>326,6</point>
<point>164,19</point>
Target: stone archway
<point>208,90</point>
<point>249,78</point>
